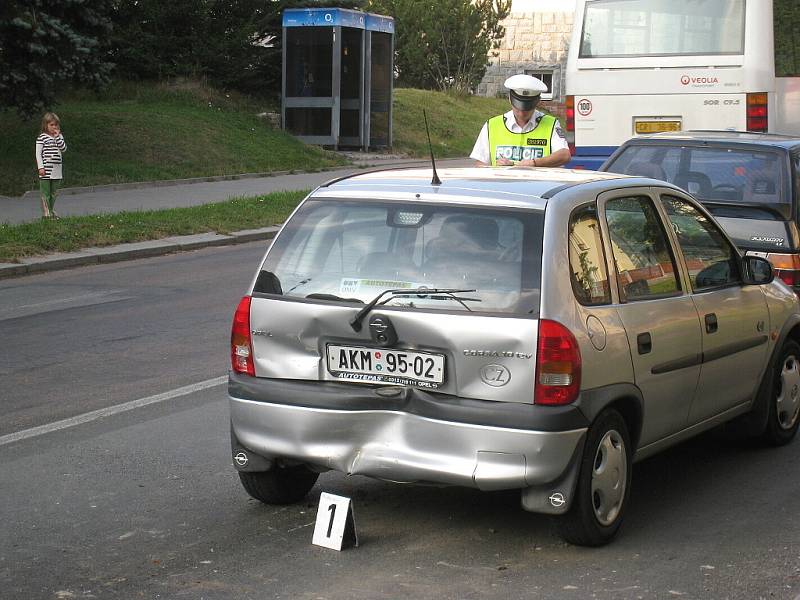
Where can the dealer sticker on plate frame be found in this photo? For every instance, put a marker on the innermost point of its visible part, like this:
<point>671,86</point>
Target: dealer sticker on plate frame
<point>386,365</point>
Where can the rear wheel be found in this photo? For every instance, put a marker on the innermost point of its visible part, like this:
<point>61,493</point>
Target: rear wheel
<point>281,485</point>
<point>603,487</point>
<point>784,399</point>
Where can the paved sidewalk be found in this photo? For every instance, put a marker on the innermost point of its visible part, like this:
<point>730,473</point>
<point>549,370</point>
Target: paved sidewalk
<point>166,194</point>
<point>108,199</point>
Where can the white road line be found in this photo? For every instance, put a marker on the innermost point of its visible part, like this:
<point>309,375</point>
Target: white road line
<point>111,410</point>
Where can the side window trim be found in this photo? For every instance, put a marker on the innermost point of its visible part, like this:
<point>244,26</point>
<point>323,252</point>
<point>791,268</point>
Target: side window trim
<point>617,297</point>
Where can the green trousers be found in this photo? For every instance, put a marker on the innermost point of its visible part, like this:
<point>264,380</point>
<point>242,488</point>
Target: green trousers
<point>49,188</point>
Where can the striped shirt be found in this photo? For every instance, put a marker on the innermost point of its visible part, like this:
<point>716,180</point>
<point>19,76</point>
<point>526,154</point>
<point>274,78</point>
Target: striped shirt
<point>48,155</point>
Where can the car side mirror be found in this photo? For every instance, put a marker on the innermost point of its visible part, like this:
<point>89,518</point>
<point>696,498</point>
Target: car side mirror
<point>756,270</point>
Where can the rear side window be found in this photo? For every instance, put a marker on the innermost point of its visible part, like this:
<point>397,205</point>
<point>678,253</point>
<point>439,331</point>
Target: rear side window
<point>586,259</point>
<point>353,250</point>
<point>645,266</point>
<point>729,175</point>
<point>711,260</point>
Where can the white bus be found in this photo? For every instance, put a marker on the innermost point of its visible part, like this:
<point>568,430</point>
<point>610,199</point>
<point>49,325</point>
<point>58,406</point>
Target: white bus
<point>645,66</point>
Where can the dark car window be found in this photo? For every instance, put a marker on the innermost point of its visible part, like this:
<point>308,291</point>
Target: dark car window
<point>796,173</point>
<point>711,260</point>
<point>352,251</point>
<point>645,266</point>
<point>729,175</point>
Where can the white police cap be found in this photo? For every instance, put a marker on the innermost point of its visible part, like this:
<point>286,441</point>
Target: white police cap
<point>524,90</point>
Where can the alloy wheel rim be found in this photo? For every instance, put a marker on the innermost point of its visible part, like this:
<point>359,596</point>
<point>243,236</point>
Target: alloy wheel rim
<point>787,402</point>
<point>609,477</point>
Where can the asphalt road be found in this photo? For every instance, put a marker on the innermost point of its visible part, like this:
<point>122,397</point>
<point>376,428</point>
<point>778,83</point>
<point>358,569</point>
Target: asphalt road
<point>143,502</point>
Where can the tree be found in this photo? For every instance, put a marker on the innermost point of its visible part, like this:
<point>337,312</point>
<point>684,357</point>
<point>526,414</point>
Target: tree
<point>787,38</point>
<point>444,44</point>
<point>47,44</point>
<point>233,44</point>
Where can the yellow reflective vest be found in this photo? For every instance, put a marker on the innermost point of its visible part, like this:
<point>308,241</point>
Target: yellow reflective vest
<point>519,146</point>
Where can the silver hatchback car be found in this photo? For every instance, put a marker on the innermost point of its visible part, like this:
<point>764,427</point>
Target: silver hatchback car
<point>506,328</point>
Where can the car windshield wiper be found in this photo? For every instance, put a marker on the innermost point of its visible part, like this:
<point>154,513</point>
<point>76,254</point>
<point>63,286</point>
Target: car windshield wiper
<point>333,297</point>
<point>432,293</point>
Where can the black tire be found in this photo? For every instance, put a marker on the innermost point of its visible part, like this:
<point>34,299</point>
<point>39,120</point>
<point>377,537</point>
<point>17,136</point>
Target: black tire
<point>281,485</point>
<point>784,397</point>
<point>604,484</point>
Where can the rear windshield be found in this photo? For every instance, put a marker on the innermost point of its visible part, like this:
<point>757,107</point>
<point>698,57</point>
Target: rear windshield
<point>620,28</point>
<point>730,176</point>
<point>351,251</point>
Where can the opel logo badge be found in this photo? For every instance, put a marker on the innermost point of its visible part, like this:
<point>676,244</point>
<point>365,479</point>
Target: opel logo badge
<point>378,325</point>
<point>241,459</point>
<point>557,499</point>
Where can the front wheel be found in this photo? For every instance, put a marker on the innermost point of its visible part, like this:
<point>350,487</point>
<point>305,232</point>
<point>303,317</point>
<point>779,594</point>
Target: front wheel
<point>281,485</point>
<point>784,399</point>
<point>604,482</point>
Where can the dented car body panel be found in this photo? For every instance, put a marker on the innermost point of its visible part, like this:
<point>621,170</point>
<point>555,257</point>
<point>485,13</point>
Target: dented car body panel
<point>403,330</point>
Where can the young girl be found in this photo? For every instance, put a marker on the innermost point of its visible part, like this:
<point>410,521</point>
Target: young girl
<point>49,146</point>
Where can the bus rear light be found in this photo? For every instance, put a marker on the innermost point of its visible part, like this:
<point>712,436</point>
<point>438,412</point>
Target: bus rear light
<point>757,113</point>
<point>571,113</point>
<point>787,269</point>
<point>241,344</point>
<point>558,365</point>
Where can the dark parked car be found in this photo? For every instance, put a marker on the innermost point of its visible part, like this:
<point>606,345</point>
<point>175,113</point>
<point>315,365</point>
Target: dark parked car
<point>749,182</point>
<point>508,328</point>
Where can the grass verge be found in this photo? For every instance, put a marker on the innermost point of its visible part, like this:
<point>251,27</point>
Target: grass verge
<point>74,233</point>
<point>150,132</point>
<point>454,121</point>
<point>154,131</point>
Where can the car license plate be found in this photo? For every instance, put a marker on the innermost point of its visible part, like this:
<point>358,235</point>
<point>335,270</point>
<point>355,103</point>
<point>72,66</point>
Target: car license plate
<point>385,365</point>
<point>656,126</point>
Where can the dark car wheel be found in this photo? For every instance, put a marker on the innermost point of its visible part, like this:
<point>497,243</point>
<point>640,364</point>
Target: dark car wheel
<point>784,399</point>
<point>604,483</point>
<point>281,485</point>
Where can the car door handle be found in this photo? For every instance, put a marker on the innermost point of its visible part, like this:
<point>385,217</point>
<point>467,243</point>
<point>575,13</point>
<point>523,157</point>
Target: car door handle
<point>644,342</point>
<point>711,323</point>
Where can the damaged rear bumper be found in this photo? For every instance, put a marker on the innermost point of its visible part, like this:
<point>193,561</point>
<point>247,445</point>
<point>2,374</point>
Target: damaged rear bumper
<point>404,435</point>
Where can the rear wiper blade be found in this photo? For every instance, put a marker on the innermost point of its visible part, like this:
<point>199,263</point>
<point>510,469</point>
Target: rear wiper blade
<point>333,297</point>
<point>356,321</point>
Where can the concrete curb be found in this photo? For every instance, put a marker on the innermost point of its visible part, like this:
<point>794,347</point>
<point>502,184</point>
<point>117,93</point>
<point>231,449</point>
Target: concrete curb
<point>109,254</point>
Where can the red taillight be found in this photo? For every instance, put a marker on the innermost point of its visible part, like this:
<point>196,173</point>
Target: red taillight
<point>570,113</point>
<point>558,365</point>
<point>787,268</point>
<point>241,347</point>
<point>757,112</point>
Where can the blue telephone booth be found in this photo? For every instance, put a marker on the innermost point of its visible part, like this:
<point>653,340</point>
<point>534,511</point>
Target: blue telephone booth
<point>338,69</point>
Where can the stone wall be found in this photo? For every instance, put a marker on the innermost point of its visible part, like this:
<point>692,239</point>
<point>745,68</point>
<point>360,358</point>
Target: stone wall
<point>533,42</point>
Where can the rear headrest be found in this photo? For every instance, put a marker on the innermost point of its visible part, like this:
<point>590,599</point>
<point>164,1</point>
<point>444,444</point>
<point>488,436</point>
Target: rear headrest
<point>482,231</point>
<point>644,169</point>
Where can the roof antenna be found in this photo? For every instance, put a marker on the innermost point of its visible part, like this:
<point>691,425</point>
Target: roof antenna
<point>435,180</point>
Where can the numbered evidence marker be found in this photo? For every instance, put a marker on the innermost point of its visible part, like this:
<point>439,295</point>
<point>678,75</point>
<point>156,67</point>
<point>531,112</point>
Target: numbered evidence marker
<point>335,527</point>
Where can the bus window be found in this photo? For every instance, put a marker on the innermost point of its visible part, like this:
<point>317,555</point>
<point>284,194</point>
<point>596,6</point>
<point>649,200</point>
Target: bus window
<point>616,28</point>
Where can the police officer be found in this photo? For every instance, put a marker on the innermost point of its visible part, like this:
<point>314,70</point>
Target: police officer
<point>523,136</point>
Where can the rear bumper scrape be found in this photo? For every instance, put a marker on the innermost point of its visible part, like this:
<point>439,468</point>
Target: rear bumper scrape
<point>391,443</point>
